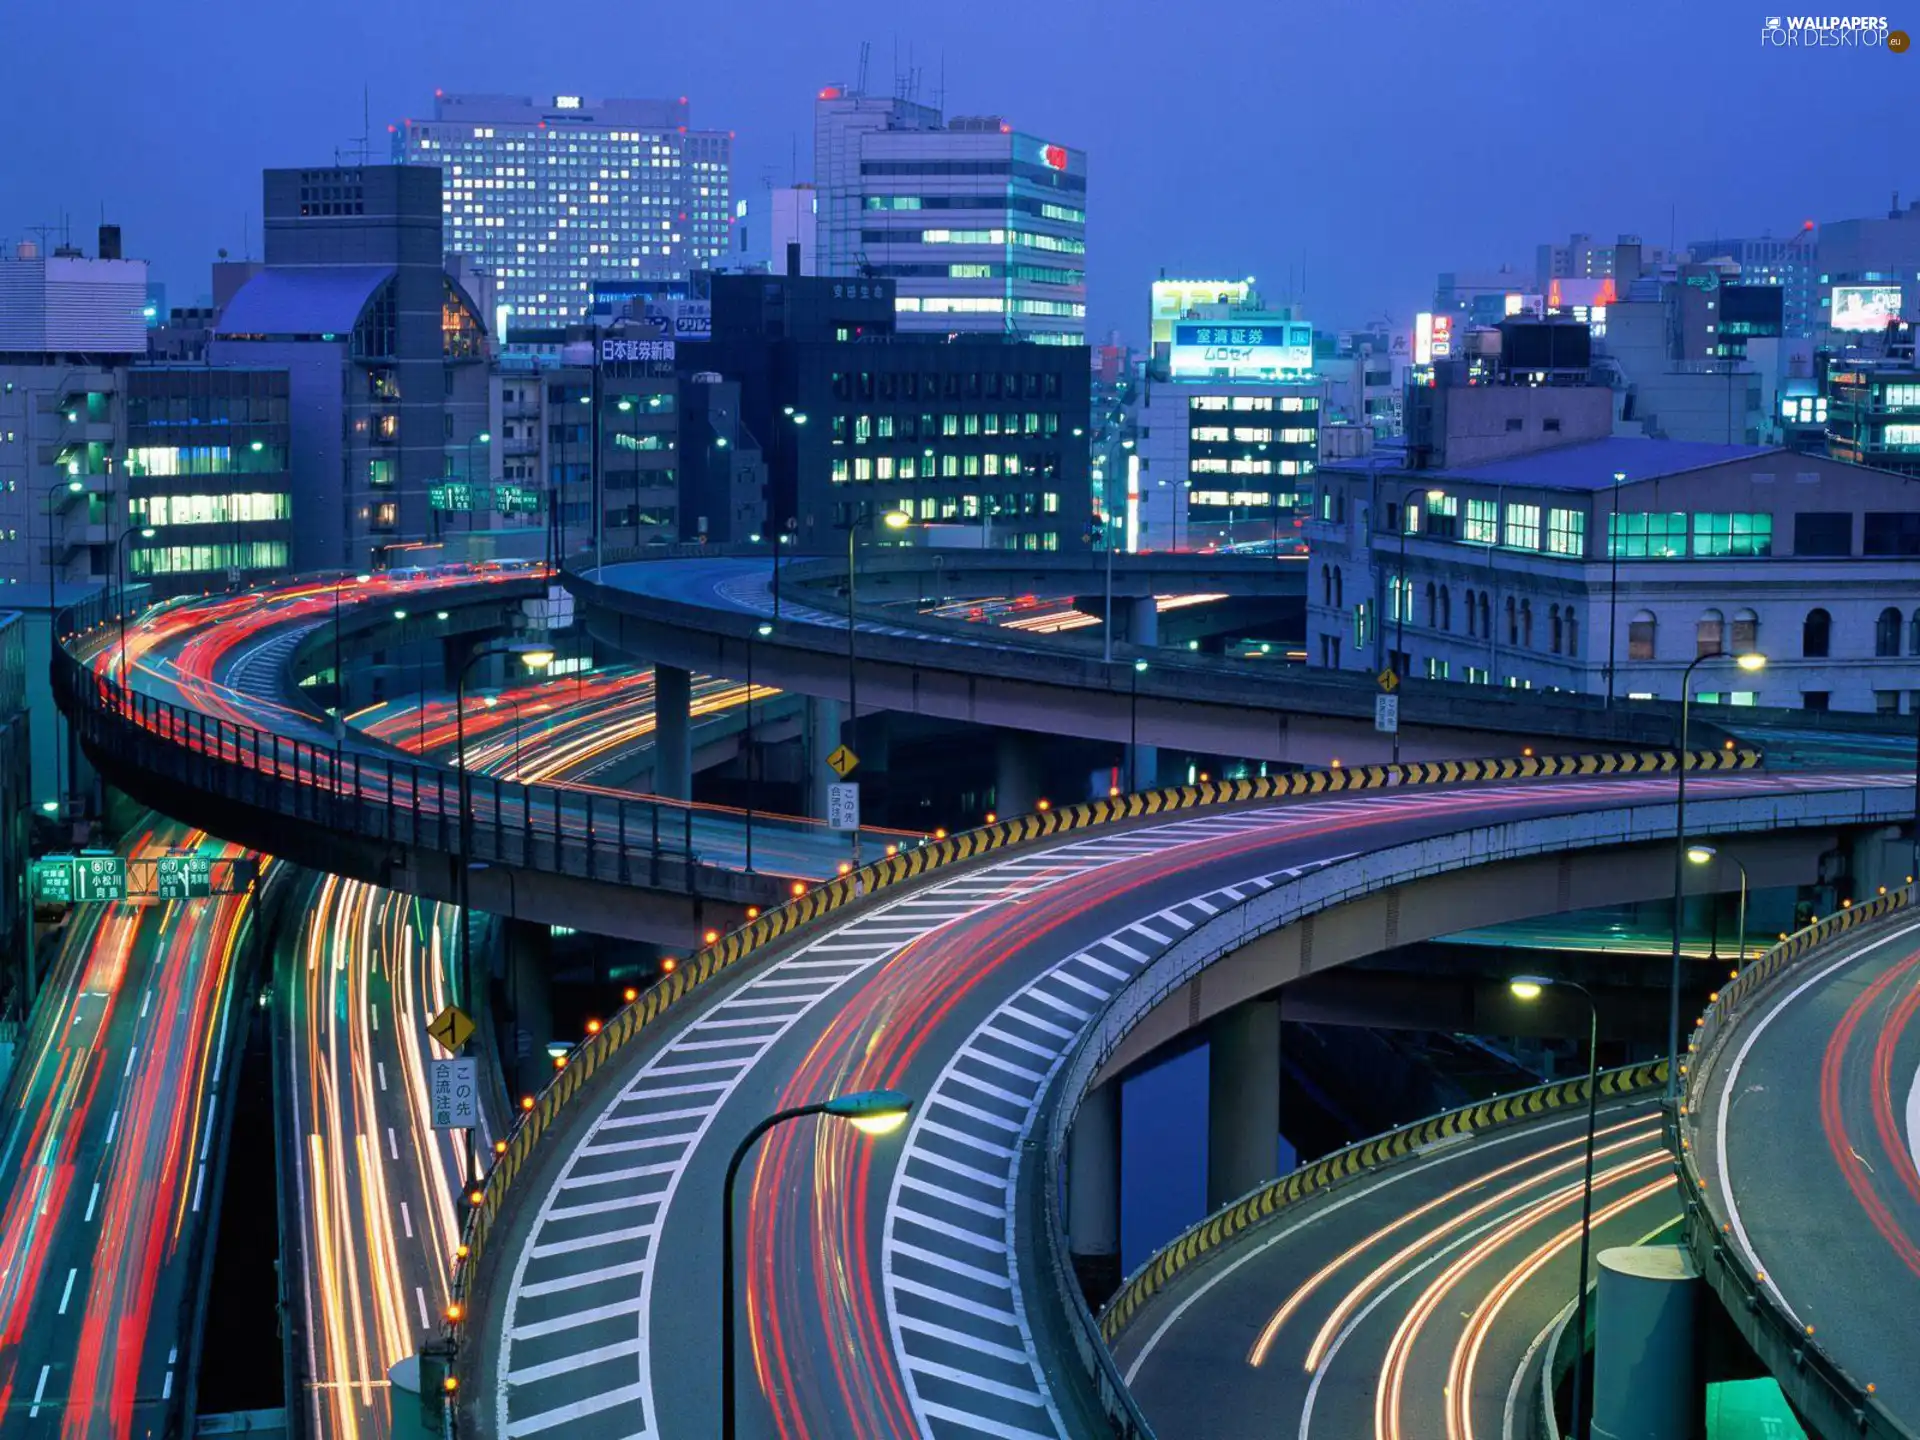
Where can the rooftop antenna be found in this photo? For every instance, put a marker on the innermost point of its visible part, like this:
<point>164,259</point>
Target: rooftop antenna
<point>940,95</point>
<point>866,51</point>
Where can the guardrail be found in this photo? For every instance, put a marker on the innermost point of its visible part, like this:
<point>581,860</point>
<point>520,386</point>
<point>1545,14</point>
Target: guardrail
<point>982,652</point>
<point>548,828</point>
<point>1258,1206</point>
<point>759,936</point>
<point>1833,1400</point>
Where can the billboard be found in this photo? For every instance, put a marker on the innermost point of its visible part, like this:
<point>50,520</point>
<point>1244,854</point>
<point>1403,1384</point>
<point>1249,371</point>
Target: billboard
<point>1865,307</point>
<point>1174,298</point>
<point>1258,349</point>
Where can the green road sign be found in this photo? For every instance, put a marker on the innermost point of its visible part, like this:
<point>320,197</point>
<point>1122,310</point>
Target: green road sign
<point>516,500</point>
<point>100,877</point>
<point>53,881</point>
<point>183,877</point>
<point>457,495</point>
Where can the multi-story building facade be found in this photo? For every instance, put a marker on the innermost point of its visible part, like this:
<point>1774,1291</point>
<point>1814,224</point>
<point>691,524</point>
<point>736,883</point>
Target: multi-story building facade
<point>982,227</point>
<point>1766,260</point>
<point>386,355</point>
<point>983,434</point>
<point>1872,405</point>
<point>551,194</point>
<point>1609,565</point>
<point>208,471</point>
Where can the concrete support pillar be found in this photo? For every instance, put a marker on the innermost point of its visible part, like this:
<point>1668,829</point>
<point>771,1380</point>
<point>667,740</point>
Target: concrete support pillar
<point>1093,1194</point>
<point>1881,859</point>
<point>1016,773</point>
<point>1644,1386</point>
<point>1143,621</point>
<point>527,1023</point>
<point>673,732</point>
<point>823,738</point>
<point>1243,1100</point>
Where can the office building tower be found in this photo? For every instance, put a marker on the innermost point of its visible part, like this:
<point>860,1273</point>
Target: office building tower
<point>1229,423</point>
<point>767,228</point>
<point>553,194</point>
<point>980,439</point>
<point>1765,260</point>
<point>386,356</point>
<point>981,227</point>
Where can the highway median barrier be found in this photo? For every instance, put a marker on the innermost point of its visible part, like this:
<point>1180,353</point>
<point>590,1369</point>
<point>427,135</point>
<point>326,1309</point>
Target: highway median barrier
<point>777,926</point>
<point>1250,1211</point>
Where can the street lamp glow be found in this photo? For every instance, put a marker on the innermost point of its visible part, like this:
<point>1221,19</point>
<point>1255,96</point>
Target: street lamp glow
<point>1528,987</point>
<point>1436,496</point>
<point>146,532</point>
<point>1701,854</point>
<point>625,405</point>
<point>764,630</point>
<point>76,486</point>
<point>896,520</point>
<point>399,614</point>
<point>1139,667</point>
<point>872,1112</point>
<point>256,447</point>
<point>52,807</point>
<point>1751,663</point>
<point>485,437</point>
<point>536,658</point>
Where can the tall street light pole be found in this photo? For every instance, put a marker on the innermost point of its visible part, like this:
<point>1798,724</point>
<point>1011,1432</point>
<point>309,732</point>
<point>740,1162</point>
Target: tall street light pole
<point>776,527</point>
<point>1133,724</point>
<point>893,520</point>
<point>54,568</point>
<point>872,1112</point>
<point>1705,855</point>
<point>120,548</point>
<point>534,657</point>
<point>1528,988</point>
<point>1613,583</point>
<point>1749,663</point>
<point>763,630</point>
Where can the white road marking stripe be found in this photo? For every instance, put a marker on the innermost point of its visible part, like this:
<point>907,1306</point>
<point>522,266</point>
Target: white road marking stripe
<point>1045,1027</point>
<point>567,1364</point>
<point>971,1172</point>
<point>980,1383</point>
<point>634,1172</point>
<point>573,1320</point>
<point>578,1410</point>
<point>1095,963</point>
<point>994,1032</point>
<point>1085,987</point>
<point>1145,930</point>
<point>960,1137</point>
<point>985,1088</point>
<point>67,1294</point>
<point>1034,992</point>
<point>963,1340</point>
<point>623,1271</point>
<point>956,1267</point>
<point>593,1242</point>
<point>599,1207</point>
<point>956,1232</point>
<point>1007,1065</point>
<point>940,1192</point>
<point>986,1117</point>
<point>1138,957</point>
<point>952,1302</point>
<point>980,1423</point>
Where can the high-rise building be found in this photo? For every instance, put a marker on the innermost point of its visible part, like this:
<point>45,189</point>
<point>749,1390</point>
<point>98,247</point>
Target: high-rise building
<point>982,227</point>
<point>1766,260</point>
<point>386,355</point>
<point>553,194</point>
<point>1229,423</point>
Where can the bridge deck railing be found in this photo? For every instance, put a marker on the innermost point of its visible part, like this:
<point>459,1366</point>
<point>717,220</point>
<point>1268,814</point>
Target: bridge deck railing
<point>1820,1388</point>
<point>554,829</point>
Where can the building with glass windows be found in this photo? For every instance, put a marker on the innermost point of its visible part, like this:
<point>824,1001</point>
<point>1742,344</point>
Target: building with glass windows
<point>385,355</point>
<point>982,439</point>
<point>552,194</point>
<point>208,470</point>
<point>982,228</point>
<point>1872,405</point>
<point>1616,562</point>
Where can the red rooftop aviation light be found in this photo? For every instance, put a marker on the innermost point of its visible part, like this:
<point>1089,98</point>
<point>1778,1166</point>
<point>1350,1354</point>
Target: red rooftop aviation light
<point>1054,155</point>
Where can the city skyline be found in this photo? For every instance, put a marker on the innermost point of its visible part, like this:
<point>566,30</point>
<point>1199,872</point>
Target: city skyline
<point>1169,178</point>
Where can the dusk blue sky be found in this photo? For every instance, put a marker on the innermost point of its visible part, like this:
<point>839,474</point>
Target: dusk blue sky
<point>1364,144</point>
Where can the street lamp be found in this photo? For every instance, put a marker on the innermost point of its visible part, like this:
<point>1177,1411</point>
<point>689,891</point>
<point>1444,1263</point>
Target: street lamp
<point>534,657</point>
<point>893,520</point>
<point>776,528</point>
<point>1705,855</point>
<point>72,487</point>
<point>872,1112</point>
<point>483,438</point>
<point>763,630</point>
<point>1403,598</point>
<point>1613,582</point>
<point>1750,663</point>
<point>1133,724</point>
<point>120,547</point>
<point>1528,988</point>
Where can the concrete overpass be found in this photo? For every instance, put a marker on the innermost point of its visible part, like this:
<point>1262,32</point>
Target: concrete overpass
<point>702,614</point>
<point>1020,991</point>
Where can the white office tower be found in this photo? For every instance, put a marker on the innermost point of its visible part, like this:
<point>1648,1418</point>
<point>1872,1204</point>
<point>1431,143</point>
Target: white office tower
<point>983,227</point>
<point>555,194</point>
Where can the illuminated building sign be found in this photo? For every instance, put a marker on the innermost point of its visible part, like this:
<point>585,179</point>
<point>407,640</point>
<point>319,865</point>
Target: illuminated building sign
<point>1173,299</point>
<point>1259,349</point>
<point>1566,292</point>
<point>566,102</point>
<point>1865,307</point>
<point>1423,338</point>
<point>615,350</point>
<point>1442,336</point>
<point>1055,156</point>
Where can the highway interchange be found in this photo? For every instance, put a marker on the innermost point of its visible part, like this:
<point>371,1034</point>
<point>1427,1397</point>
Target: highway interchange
<point>883,1288</point>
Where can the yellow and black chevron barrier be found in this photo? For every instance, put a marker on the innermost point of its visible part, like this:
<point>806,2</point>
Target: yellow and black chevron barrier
<point>1224,1225</point>
<point>907,865</point>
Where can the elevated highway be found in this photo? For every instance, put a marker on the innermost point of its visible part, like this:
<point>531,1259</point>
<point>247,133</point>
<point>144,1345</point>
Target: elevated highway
<point>702,614</point>
<point>1802,1131</point>
<point>1408,1286</point>
<point>923,1287</point>
<point>213,728</point>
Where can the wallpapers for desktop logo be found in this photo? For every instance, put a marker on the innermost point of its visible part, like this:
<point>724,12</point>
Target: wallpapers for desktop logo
<point>1859,32</point>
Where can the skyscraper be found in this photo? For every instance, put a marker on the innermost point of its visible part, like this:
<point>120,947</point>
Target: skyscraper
<point>983,227</point>
<point>553,194</point>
